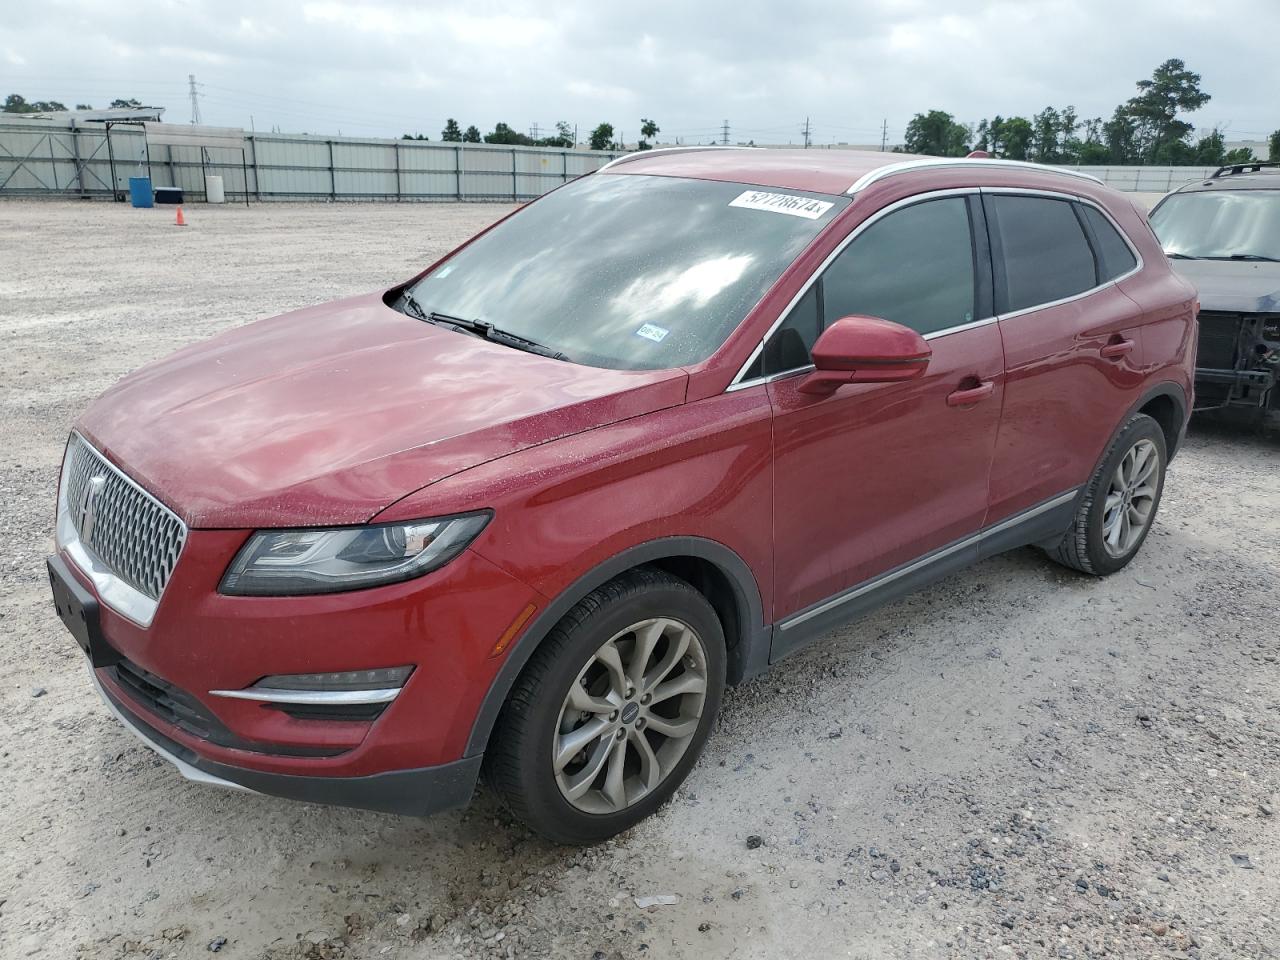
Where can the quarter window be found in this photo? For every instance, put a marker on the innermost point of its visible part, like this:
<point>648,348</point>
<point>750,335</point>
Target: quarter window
<point>1114,255</point>
<point>1046,254</point>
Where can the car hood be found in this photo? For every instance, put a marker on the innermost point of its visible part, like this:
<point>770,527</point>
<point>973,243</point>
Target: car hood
<point>1235,286</point>
<point>330,414</point>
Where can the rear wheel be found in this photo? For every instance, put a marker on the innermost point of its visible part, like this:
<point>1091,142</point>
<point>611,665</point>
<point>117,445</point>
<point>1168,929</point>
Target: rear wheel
<point>1120,502</point>
<point>612,711</point>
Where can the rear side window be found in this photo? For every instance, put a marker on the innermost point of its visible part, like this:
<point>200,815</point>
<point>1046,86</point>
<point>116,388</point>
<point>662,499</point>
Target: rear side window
<point>1114,256</point>
<point>914,267</point>
<point>1046,254</point>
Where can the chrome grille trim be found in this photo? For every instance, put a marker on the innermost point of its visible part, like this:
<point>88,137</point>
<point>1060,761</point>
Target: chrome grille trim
<point>117,533</point>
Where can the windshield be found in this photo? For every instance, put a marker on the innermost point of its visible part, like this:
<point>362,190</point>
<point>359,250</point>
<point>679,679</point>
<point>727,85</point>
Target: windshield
<point>629,272</point>
<point>1220,224</point>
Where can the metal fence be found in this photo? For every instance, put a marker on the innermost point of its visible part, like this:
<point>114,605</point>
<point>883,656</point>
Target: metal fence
<point>39,158</point>
<point>44,158</point>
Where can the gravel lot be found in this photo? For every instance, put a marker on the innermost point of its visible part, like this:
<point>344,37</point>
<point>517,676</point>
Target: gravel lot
<point>1017,762</point>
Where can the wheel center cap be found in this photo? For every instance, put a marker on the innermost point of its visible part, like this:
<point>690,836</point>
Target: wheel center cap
<point>630,712</point>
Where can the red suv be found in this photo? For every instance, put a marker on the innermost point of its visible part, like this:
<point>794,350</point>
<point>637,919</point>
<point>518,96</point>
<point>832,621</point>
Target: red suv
<point>528,513</point>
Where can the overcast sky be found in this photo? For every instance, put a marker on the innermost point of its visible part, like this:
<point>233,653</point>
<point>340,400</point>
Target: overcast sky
<point>384,68</point>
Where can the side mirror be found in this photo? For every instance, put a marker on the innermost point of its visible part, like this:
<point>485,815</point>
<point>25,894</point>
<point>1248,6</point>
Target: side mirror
<point>865,350</point>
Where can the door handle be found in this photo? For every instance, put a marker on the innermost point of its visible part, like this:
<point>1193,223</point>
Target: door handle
<point>962,398</point>
<point>1117,349</point>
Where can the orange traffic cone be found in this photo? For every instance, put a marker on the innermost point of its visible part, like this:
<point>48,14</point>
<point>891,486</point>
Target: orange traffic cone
<point>180,221</point>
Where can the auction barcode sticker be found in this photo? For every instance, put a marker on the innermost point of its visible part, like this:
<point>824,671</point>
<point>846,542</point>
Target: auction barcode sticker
<point>786,203</point>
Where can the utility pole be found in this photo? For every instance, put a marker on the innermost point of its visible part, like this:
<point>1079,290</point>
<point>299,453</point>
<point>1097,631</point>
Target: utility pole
<point>884,134</point>
<point>195,98</point>
<point>533,131</point>
<point>724,134</point>
<point>806,133</point>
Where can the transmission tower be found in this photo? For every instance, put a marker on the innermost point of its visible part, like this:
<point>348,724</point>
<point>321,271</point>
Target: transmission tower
<point>806,133</point>
<point>195,98</point>
<point>724,133</point>
<point>884,135</point>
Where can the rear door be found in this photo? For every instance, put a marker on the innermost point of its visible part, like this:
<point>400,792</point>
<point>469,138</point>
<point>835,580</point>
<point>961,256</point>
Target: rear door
<point>1073,353</point>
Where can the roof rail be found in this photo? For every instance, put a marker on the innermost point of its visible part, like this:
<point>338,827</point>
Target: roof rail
<point>908,166</point>
<point>1251,167</point>
<point>642,154</point>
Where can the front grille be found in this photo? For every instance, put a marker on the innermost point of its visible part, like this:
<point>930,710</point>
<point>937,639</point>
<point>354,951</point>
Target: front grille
<point>172,705</point>
<point>135,535</point>
<point>1219,340</point>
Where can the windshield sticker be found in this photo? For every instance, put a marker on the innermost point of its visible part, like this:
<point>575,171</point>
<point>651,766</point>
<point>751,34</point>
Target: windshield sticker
<point>786,203</point>
<point>651,331</point>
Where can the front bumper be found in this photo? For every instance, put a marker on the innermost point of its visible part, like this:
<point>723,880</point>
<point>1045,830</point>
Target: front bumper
<point>411,757</point>
<point>418,792</point>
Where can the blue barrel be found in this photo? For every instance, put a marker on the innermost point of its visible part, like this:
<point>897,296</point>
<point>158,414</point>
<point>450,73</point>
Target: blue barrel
<point>140,192</point>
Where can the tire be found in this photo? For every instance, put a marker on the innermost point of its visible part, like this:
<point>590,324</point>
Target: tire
<point>556,731</point>
<point>1095,546</point>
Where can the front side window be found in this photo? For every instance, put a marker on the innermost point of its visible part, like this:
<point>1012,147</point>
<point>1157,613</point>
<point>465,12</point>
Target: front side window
<point>630,272</point>
<point>1046,254</point>
<point>914,266</point>
<point>1220,225</point>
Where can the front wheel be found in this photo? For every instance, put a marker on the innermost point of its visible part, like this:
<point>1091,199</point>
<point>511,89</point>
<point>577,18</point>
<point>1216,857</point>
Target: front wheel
<point>1120,502</point>
<point>612,710</point>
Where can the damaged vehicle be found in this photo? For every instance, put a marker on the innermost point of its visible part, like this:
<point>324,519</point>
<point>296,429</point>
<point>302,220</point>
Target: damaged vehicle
<point>1223,234</point>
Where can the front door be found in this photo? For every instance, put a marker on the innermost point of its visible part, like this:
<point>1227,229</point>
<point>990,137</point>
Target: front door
<point>876,476</point>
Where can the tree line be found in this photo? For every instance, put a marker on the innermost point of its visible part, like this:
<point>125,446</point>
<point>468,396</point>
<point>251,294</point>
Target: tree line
<point>1148,128</point>
<point>16,103</point>
<point>600,138</point>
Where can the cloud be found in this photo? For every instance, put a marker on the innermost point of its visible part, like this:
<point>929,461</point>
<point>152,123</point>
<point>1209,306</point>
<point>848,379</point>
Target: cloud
<point>390,66</point>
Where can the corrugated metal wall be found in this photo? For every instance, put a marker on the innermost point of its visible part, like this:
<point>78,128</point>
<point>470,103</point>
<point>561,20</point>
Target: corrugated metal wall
<point>39,158</point>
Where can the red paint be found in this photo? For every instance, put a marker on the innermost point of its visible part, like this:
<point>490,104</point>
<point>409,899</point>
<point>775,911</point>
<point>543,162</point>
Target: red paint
<point>351,412</point>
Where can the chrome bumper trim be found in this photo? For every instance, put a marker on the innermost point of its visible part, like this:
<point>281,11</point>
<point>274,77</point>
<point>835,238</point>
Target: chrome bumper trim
<point>312,697</point>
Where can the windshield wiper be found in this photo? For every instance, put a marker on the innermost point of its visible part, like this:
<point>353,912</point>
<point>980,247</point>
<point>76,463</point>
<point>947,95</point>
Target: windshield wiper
<point>411,304</point>
<point>1182,256</point>
<point>489,332</point>
<point>1252,256</point>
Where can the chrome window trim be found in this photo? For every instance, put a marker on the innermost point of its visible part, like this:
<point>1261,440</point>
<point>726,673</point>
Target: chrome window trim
<point>124,599</point>
<point>930,163</point>
<point>737,383</point>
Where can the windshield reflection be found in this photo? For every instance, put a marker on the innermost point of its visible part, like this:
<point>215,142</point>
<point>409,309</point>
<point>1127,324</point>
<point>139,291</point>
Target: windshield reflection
<point>625,271</point>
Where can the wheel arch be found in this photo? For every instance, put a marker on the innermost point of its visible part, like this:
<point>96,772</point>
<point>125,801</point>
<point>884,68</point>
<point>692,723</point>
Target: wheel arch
<point>1166,403</point>
<point>715,570</point>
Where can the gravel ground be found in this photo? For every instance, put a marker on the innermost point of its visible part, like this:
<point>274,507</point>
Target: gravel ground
<point>1016,762</point>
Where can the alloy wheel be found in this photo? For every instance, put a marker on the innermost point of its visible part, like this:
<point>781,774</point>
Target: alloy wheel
<point>630,715</point>
<point>1131,498</point>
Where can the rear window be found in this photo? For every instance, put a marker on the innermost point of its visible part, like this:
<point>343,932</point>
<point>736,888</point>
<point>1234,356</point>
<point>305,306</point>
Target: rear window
<point>630,272</point>
<point>1114,256</point>
<point>1046,254</point>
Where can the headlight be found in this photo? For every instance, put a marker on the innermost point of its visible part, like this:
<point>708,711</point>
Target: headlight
<point>277,563</point>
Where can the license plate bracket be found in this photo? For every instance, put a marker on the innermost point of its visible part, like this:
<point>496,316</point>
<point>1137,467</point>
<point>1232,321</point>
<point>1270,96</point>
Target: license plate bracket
<point>80,614</point>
